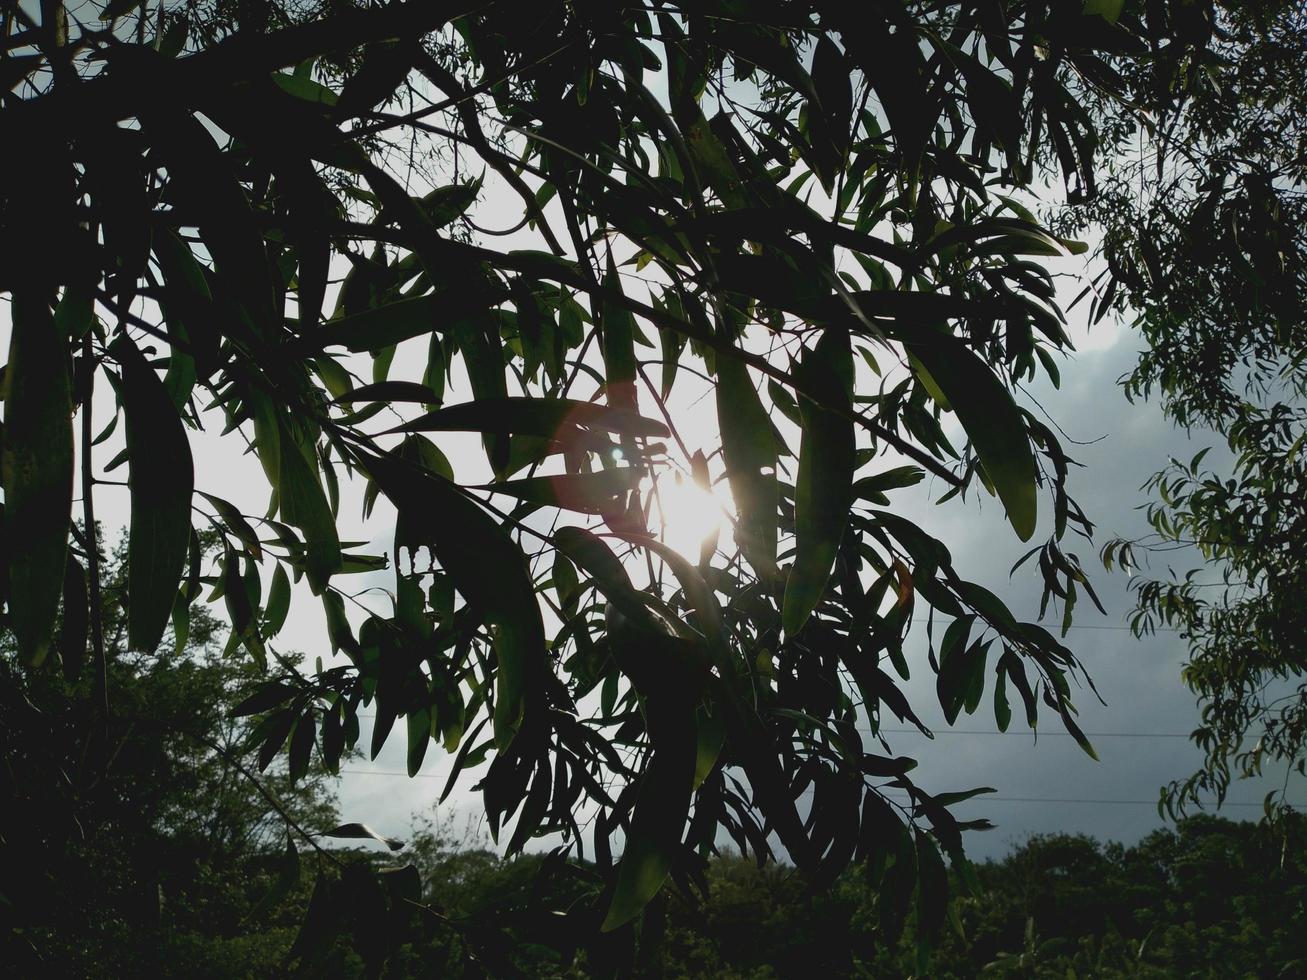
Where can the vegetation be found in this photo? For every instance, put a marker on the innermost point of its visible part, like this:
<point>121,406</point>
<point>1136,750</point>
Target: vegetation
<point>1203,213</point>
<point>258,217</point>
<point>152,849</point>
<point>1207,897</point>
<point>1201,208</point>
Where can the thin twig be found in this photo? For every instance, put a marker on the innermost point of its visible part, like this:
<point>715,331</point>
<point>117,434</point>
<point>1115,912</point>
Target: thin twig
<point>92,537</point>
<point>268,795</point>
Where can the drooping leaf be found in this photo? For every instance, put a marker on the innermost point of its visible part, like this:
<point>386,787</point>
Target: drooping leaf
<point>162,479</point>
<point>1002,709</point>
<point>38,471</point>
<point>565,581</point>
<point>75,620</point>
<point>823,493</point>
<point>304,504</point>
<point>483,357</point>
<point>239,608</point>
<point>547,417</point>
<point>188,305</point>
<point>992,421</point>
<point>1081,739</point>
<point>749,448</point>
<point>486,567</point>
<point>1012,666</point>
<point>361,831</point>
<point>618,343</point>
<point>419,737</point>
<point>278,605</point>
<point>301,746</point>
<point>591,493</point>
<point>202,180</point>
<point>660,808</point>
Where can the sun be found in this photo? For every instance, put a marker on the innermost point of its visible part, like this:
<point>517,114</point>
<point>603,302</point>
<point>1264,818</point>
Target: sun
<point>691,514</point>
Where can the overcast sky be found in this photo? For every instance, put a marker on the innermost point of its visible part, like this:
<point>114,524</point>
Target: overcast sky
<point>1041,787</point>
<point>1147,706</point>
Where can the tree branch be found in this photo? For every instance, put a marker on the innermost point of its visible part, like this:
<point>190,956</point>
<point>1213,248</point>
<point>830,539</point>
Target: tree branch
<point>140,76</point>
<point>92,537</point>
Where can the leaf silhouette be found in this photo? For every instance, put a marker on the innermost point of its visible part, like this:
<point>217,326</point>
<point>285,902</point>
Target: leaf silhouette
<point>992,421</point>
<point>38,471</point>
<point>162,478</point>
<point>823,493</point>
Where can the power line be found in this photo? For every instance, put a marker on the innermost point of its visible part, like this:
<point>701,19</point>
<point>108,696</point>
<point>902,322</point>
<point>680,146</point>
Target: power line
<point>1063,799</point>
<point>978,731</point>
<point>1092,626</point>
<point>982,799</point>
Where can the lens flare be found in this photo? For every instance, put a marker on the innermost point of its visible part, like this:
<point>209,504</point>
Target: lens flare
<point>691,515</point>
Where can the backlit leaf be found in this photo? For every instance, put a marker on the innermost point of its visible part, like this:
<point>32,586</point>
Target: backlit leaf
<point>823,493</point>
<point>487,568</point>
<point>162,478</point>
<point>749,448</point>
<point>548,417</point>
<point>992,421</point>
<point>361,831</point>
<point>38,472</point>
<point>591,493</point>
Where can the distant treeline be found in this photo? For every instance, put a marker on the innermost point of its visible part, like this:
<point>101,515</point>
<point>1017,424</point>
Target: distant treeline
<point>1207,898</point>
<point>149,845</point>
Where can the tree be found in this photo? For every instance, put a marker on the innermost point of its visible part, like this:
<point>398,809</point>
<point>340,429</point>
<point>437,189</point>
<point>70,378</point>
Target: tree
<point>1202,210</point>
<point>819,213</point>
<point>143,847</point>
<point>1204,897</point>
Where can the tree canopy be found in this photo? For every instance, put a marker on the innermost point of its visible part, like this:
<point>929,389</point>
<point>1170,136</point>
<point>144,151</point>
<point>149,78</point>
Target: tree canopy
<point>144,847</point>
<point>1202,210</point>
<point>255,217</point>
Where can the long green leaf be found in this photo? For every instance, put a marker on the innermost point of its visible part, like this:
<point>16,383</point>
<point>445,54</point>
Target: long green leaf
<point>547,417</point>
<point>381,326</point>
<point>361,831</point>
<point>823,491</point>
<point>486,566</point>
<point>590,493</point>
<point>162,478</point>
<point>38,471</point>
<point>304,504</point>
<point>618,335</point>
<point>483,357</point>
<point>203,181</point>
<point>992,422</point>
<point>749,447</point>
<point>75,620</point>
<point>660,809</point>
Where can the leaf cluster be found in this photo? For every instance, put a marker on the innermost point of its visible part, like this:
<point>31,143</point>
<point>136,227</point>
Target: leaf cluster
<point>780,197</point>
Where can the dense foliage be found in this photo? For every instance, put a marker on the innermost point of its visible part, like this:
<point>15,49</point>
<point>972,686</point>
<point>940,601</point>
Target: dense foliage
<point>819,212</point>
<point>1203,212</point>
<point>151,849</point>
<point>1209,898</point>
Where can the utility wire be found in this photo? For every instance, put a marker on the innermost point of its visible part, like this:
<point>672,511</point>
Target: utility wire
<point>981,799</point>
<point>1086,626</point>
<point>978,731</point>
